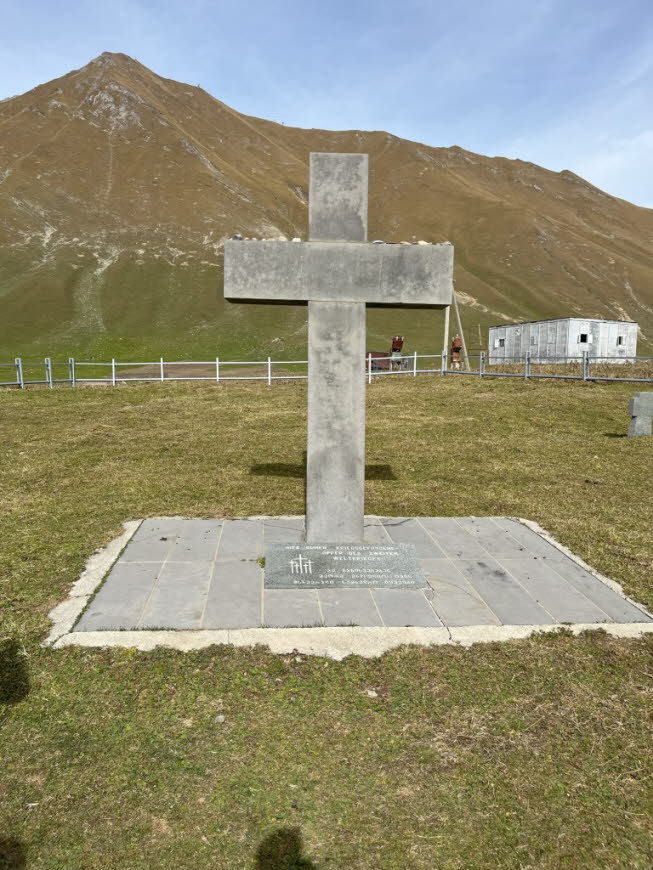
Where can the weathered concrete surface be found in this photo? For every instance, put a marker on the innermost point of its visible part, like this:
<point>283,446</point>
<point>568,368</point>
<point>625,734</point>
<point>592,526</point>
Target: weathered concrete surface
<point>640,409</point>
<point>335,643</point>
<point>337,273</point>
<point>337,206</point>
<point>379,275</point>
<point>497,572</point>
<point>335,465</point>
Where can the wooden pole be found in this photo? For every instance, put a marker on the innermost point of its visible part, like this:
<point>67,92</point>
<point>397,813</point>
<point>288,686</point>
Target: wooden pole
<point>460,327</point>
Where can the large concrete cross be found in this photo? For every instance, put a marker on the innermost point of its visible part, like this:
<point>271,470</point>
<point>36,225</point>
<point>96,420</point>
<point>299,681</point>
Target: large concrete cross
<point>337,273</point>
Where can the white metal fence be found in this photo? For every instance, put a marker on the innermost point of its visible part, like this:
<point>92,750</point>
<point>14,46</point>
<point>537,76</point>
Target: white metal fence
<point>49,373</point>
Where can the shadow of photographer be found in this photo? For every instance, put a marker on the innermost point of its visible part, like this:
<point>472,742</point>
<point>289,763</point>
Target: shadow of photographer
<point>13,854</point>
<point>14,675</point>
<point>282,850</point>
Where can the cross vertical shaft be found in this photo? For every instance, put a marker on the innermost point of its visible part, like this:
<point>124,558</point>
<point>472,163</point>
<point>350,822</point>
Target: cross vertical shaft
<point>335,470</point>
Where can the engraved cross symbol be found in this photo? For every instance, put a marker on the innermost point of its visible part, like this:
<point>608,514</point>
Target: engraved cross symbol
<point>300,565</point>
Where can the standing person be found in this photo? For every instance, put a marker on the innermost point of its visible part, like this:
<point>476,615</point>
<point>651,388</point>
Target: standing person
<point>456,347</point>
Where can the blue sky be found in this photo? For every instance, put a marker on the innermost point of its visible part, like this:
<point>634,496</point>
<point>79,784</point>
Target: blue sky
<point>567,84</point>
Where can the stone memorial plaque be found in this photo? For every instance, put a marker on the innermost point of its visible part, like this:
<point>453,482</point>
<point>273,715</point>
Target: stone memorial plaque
<point>320,566</point>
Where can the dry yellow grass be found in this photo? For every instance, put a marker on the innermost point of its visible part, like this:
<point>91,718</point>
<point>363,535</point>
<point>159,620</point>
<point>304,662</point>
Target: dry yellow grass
<point>530,754</point>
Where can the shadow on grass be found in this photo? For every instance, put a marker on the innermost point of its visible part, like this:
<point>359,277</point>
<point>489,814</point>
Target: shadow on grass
<point>13,854</point>
<point>282,850</point>
<point>286,469</point>
<point>14,676</point>
<point>615,434</point>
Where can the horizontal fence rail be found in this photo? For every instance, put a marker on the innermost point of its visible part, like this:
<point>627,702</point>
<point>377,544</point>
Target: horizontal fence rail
<point>49,373</point>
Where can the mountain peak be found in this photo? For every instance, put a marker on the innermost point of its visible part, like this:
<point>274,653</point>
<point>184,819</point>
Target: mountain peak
<point>118,187</point>
<point>114,58</point>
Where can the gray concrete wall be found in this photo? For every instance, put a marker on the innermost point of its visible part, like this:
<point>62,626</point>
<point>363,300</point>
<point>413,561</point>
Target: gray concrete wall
<point>603,343</point>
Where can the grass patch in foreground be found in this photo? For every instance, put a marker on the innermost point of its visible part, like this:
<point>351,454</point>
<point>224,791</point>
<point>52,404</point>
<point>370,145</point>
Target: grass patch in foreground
<point>530,754</point>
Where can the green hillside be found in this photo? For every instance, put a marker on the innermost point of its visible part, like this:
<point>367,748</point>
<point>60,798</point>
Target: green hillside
<point>118,188</point>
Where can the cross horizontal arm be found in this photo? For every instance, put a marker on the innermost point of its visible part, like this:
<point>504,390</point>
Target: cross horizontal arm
<point>418,275</point>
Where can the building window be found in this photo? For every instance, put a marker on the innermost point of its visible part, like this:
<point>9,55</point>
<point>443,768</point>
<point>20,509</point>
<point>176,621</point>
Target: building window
<point>502,342</point>
<point>583,338</point>
<point>620,339</point>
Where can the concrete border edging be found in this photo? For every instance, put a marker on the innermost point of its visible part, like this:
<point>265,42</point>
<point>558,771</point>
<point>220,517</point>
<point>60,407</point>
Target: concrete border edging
<point>336,643</point>
<point>65,615</point>
<point>616,587</point>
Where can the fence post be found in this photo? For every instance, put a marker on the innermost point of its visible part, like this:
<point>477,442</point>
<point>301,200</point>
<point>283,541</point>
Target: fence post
<point>48,371</point>
<point>113,372</point>
<point>443,362</point>
<point>369,368</point>
<point>481,364</point>
<point>71,371</point>
<point>269,372</point>
<point>161,375</point>
<point>527,366</point>
<point>19,372</point>
<point>415,364</point>
<point>585,365</point>
<point>217,369</point>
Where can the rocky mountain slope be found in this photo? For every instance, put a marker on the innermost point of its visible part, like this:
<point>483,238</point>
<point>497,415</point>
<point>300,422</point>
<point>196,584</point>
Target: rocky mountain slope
<point>118,187</point>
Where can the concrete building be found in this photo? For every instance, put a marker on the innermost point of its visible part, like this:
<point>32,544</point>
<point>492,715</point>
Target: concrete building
<point>554,341</point>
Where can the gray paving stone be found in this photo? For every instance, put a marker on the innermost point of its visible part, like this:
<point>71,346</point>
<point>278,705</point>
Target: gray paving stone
<point>197,540</point>
<point>120,601</point>
<point>600,593</point>
<point>291,607</point>
<point>235,596</point>
<point>495,540</point>
<point>399,607</point>
<point>409,531</point>
<point>241,539</point>
<point>503,595</point>
<point>374,533</point>
<point>348,607</point>
<point>175,582</point>
<point>556,595</point>
<point>283,531</point>
<point>154,527</point>
<point>153,549</point>
<point>453,539</point>
<point>533,542</point>
<point>179,596</point>
<point>454,599</point>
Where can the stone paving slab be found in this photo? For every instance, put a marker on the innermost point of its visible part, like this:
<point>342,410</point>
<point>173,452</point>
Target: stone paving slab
<point>192,574</point>
<point>292,607</point>
<point>179,596</point>
<point>349,607</point>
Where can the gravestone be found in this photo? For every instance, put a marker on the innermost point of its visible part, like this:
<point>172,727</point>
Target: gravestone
<point>640,409</point>
<point>337,274</point>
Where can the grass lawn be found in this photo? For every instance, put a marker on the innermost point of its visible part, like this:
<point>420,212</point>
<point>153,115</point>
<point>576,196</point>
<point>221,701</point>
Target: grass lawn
<point>526,755</point>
